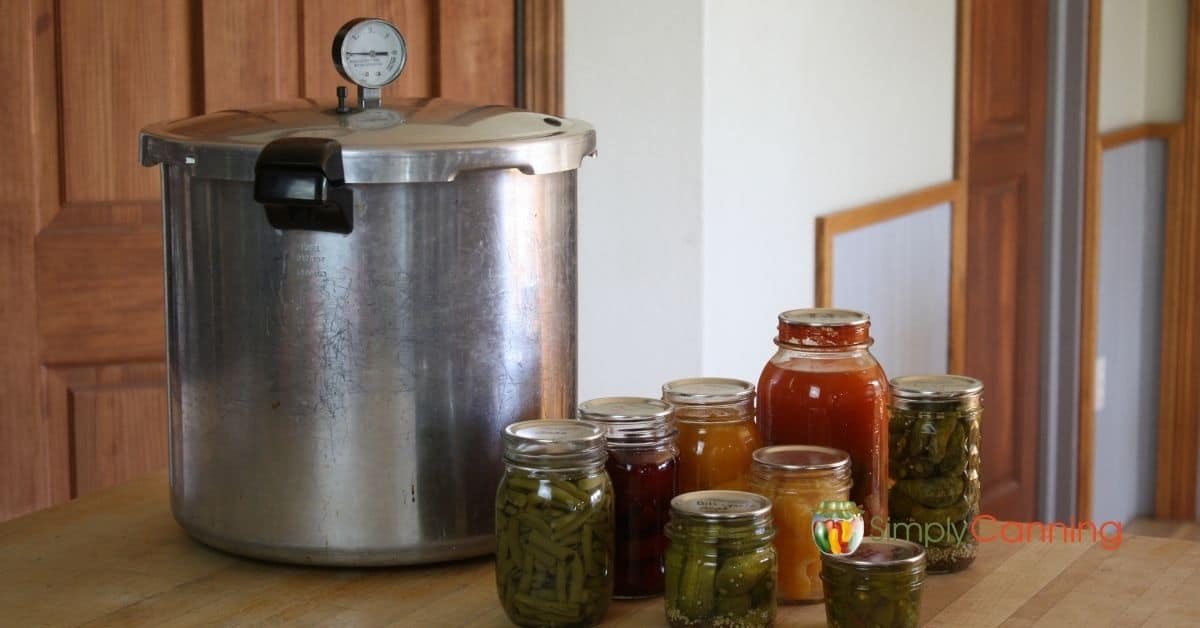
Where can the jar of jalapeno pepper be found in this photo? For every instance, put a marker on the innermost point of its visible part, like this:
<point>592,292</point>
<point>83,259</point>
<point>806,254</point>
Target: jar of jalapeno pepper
<point>643,465</point>
<point>721,566</point>
<point>878,585</point>
<point>717,434</point>
<point>934,465</point>
<point>554,517</point>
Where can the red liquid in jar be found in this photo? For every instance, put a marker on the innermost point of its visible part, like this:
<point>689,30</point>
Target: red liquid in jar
<point>846,410</point>
<point>643,483</point>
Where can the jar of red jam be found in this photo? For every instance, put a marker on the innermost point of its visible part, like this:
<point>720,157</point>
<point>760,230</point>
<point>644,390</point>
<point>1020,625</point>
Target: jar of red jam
<point>643,465</point>
<point>823,387</point>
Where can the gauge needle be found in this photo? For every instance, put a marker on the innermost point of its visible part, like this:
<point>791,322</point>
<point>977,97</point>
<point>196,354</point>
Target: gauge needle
<point>369,54</point>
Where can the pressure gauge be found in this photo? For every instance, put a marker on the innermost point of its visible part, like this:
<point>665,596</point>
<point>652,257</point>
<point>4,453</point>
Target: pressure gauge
<point>369,52</point>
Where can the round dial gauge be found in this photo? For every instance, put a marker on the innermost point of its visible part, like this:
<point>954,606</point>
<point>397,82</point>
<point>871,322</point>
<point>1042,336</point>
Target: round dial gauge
<point>369,52</point>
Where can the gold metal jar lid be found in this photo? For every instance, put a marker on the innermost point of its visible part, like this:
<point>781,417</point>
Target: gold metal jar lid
<point>824,317</point>
<point>877,553</point>
<point>801,458</point>
<point>722,506</point>
<point>933,391</point>
<point>630,420</point>
<point>707,391</point>
<point>559,441</point>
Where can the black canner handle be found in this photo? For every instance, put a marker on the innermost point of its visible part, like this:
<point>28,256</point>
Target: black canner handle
<point>300,182</point>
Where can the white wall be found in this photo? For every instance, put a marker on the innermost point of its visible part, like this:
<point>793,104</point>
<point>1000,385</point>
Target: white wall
<point>724,128</point>
<point>1142,62</point>
<point>633,69</point>
<point>809,107</point>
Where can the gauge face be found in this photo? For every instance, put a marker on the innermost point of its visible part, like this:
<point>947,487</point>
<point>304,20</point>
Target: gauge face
<point>369,52</point>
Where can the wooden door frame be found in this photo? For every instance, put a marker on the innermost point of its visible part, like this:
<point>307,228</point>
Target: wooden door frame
<point>1179,370</point>
<point>1179,344</point>
<point>539,55</point>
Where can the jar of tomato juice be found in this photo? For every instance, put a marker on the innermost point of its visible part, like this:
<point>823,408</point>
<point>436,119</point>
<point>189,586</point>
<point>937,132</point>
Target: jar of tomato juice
<point>823,387</point>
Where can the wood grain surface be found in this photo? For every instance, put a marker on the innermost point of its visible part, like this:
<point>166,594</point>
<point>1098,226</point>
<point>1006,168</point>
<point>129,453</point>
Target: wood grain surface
<point>116,558</point>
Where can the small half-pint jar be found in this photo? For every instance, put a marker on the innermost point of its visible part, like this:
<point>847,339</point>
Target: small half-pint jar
<point>554,513</point>
<point>721,565</point>
<point>643,465</point>
<point>879,584</point>
<point>797,479</point>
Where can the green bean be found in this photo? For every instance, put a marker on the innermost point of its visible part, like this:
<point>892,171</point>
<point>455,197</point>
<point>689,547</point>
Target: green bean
<point>560,582</point>
<point>576,594</point>
<point>535,522</point>
<point>586,547</point>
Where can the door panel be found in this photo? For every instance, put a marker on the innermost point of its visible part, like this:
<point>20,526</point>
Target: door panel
<point>80,225</point>
<point>1006,144</point>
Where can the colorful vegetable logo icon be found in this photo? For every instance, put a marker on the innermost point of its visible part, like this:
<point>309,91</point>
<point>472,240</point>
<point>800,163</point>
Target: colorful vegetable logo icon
<point>837,527</point>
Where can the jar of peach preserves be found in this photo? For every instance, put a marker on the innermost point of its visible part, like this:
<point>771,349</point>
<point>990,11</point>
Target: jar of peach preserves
<point>717,435</point>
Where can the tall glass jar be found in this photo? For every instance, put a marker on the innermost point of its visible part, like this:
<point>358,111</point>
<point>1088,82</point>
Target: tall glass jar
<point>797,478</point>
<point>878,585</point>
<point>823,387</point>
<point>721,566</point>
<point>643,465</point>
<point>934,443</point>
<point>717,435</point>
<point>554,517</point>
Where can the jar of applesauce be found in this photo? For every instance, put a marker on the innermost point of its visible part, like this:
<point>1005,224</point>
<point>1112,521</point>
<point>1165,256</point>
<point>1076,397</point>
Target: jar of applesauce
<point>823,387</point>
<point>797,479</point>
<point>717,435</point>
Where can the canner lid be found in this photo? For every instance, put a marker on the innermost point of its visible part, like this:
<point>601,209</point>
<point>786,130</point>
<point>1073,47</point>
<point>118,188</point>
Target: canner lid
<point>404,141</point>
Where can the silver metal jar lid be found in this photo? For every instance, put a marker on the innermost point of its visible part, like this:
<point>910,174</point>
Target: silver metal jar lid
<point>801,458</point>
<point>539,440</point>
<point>630,420</point>
<point>405,141</point>
<point>707,391</point>
<point>881,553</point>
<point>722,506</point>
<point>824,317</point>
<point>935,390</point>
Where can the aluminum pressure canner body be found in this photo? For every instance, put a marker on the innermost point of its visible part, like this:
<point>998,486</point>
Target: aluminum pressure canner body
<point>357,303</point>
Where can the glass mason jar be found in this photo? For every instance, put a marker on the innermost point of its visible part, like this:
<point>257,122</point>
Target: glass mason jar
<point>823,387</point>
<point>721,566</point>
<point>797,479</point>
<point>554,516</point>
<point>717,435</point>
<point>934,441</point>
<point>878,585</point>
<point>643,465</point>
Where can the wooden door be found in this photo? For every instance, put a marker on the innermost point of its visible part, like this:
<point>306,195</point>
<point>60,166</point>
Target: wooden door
<point>82,395</point>
<point>1006,146</point>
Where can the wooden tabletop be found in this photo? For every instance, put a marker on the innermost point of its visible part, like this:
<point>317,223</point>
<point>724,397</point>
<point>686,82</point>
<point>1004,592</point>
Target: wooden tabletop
<point>118,558</point>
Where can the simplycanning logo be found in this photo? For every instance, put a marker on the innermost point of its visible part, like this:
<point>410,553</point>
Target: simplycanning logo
<point>837,527</point>
<point>1108,534</point>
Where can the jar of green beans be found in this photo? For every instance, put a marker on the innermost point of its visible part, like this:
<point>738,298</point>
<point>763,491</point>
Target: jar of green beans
<point>554,525</point>
<point>721,566</point>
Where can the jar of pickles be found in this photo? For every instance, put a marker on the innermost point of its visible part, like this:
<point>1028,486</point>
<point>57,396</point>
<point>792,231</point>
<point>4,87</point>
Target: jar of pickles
<point>934,441</point>
<point>554,516</point>
<point>643,465</point>
<point>878,585</point>
<point>823,387</point>
<point>721,566</point>
<point>797,479</point>
<point>717,435</point>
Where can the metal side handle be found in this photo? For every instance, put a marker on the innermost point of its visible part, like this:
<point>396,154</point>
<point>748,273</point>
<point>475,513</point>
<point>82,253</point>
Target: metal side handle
<point>300,182</point>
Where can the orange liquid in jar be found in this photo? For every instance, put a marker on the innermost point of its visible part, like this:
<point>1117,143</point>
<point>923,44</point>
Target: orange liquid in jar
<point>715,455</point>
